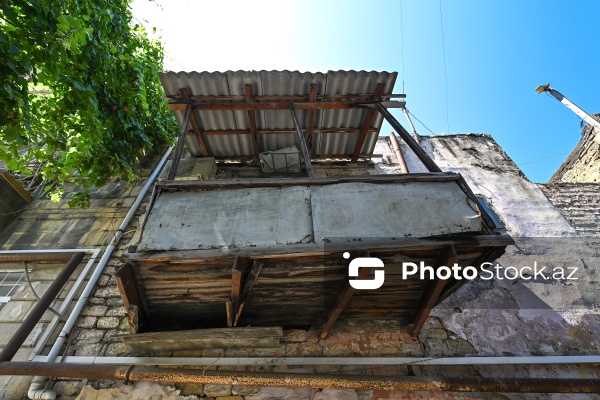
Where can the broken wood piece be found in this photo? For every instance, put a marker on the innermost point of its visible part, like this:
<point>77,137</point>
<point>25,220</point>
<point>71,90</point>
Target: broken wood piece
<point>202,339</point>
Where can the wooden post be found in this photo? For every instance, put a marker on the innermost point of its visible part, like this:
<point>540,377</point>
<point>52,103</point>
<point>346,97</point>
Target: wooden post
<point>303,147</point>
<point>180,141</point>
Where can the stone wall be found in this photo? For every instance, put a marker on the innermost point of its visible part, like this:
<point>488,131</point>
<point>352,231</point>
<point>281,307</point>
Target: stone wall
<point>583,164</point>
<point>579,203</point>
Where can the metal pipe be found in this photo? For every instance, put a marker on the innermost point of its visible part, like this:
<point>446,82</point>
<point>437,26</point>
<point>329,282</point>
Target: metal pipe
<point>98,271</point>
<point>65,304</point>
<point>28,257</point>
<point>19,337</point>
<point>303,147</point>
<point>414,146</point>
<point>399,156</point>
<point>279,379</point>
<point>247,361</point>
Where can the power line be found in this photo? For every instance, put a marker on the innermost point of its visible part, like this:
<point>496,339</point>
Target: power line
<point>543,158</point>
<point>402,43</point>
<point>445,69</point>
<point>432,132</point>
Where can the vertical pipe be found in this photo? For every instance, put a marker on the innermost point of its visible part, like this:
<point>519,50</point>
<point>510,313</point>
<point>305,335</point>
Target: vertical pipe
<point>36,389</point>
<point>303,147</point>
<point>40,308</point>
<point>398,152</point>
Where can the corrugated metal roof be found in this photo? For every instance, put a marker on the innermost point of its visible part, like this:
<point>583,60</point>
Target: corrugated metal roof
<point>232,83</point>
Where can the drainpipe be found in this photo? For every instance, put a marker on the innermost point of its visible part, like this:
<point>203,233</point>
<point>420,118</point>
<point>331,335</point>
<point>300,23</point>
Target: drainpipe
<point>399,156</point>
<point>36,390</point>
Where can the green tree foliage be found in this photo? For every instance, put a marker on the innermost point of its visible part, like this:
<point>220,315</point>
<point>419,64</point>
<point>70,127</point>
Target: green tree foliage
<point>79,91</point>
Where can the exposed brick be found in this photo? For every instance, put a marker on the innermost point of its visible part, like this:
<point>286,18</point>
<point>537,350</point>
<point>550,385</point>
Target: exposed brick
<point>117,349</point>
<point>116,312</point>
<point>191,389</point>
<point>114,302</point>
<point>108,291</point>
<point>96,310</point>
<point>86,322</point>
<point>108,322</point>
<point>217,390</point>
<point>244,390</point>
<point>90,336</point>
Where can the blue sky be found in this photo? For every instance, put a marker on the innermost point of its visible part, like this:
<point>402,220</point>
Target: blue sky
<point>496,54</point>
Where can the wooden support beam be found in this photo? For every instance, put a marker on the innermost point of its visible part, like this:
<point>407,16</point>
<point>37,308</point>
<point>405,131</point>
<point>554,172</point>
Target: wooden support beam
<point>180,142</point>
<point>195,125</point>
<point>311,118</point>
<point>202,339</point>
<point>236,290</point>
<point>300,97</point>
<point>303,147</point>
<point>341,300</point>
<point>257,266</point>
<point>133,300</point>
<point>277,131</point>
<point>304,181</point>
<point>433,289</point>
<point>409,140</point>
<point>366,124</point>
<point>252,121</point>
<point>281,105</point>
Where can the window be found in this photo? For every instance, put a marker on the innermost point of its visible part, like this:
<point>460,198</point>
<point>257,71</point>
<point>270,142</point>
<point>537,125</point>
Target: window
<point>10,281</point>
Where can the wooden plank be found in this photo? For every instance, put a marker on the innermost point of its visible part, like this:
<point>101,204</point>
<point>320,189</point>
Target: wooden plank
<point>180,142</point>
<point>252,121</point>
<point>299,251</point>
<point>131,294</point>
<point>341,300</point>
<point>257,266</point>
<point>311,118</point>
<point>302,139</point>
<point>195,125</point>
<point>304,181</point>
<point>366,124</point>
<point>433,290</point>
<point>236,292</point>
<point>283,105</point>
<point>133,316</point>
<point>202,339</point>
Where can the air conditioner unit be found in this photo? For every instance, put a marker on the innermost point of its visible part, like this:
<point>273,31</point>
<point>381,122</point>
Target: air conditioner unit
<point>192,169</point>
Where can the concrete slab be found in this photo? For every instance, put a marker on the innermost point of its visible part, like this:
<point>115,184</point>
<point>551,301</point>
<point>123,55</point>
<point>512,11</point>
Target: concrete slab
<point>364,210</point>
<point>229,218</point>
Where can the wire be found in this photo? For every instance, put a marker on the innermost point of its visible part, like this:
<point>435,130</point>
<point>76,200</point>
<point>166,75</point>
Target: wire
<point>543,158</point>
<point>445,69</point>
<point>402,43</point>
<point>432,132</point>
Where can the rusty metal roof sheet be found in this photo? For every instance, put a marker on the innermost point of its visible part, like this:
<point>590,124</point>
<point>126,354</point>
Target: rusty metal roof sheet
<point>265,83</point>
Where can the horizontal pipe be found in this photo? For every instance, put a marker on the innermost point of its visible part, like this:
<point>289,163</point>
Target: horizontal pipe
<point>71,251</point>
<point>297,361</point>
<point>280,379</point>
<point>19,337</point>
<point>29,257</point>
